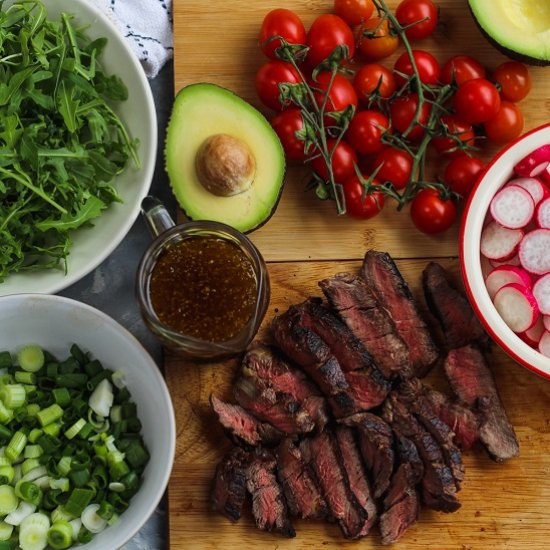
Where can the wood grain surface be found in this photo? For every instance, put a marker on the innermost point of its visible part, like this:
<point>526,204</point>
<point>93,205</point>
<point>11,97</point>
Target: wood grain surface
<point>503,505</point>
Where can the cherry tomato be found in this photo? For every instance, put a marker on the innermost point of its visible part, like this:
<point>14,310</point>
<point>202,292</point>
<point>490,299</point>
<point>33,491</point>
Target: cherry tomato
<point>359,204</point>
<point>394,165</point>
<point>403,110</point>
<point>506,125</point>
<point>477,101</point>
<point>286,124</point>
<point>462,173</point>
<point>514,79</point>
<point>374,79</point>
<point>341,94</point>
<point>461,68</point>
<point>430,213</point>
<point>280,22</point>
<point>365,132</point>
<point>353,12</point>
<point>462,131</point>
<point>343,159</point>
<point>268,78</point>
<point>428,68</point>
<point>383,43</point>
<point>410,12</point>
<point>326,33</point>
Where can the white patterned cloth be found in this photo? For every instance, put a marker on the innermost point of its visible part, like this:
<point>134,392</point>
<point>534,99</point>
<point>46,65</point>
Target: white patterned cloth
<point>147,27</point>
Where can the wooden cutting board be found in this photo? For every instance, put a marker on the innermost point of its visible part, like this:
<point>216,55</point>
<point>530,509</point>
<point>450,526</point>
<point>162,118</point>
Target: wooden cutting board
<point>503,505</point>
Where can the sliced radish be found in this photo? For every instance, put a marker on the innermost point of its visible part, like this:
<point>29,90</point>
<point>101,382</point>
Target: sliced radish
<point>546,322</point>
<point>534,334</point>
<point>545,175</point>
<point>499,243</point>
<point>533,186</point>
<point>534,251</point>
<point>534,163</point>
<point>541,291</point>
<point>517,307</point>
<point>513,207</point>
<point>543,213</point>
<point>506,274</point>
<point>544,344</point>
<point>514,260</point>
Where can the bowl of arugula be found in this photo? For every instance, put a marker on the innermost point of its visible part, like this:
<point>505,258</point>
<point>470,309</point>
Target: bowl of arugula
<point>78,140</point>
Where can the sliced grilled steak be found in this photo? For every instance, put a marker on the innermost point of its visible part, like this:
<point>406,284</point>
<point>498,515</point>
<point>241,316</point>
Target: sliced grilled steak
<point>407,452</point>
<point>473,383</point>
<point>302,494</point>
<point>357,477</point>
<point>394,294</point>
<point>438,483</point>
<point>401,505</point>
<point>376,444</point>
<point>463,421</point>
<point>322,454</point>
<point>451,308</point>
<point>229,488</point>
<point>356,303</point>
<point>268,502</point>
<point>243,425</point>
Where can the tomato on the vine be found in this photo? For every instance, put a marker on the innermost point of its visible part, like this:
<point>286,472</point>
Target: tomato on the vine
<point>431,213</point>
<point>343,161</point>
<point>457,131</point>
<point>394,165</point>
<point>365,131</point>
<point>506,125</point>
<point>284,23</point>
<point>286,124</point>
<point>427,65</point>
<point>353,12</point>
<point>373,78</point>
<point>403,110</point>
<point>461,174</point>
<point>340,96</point>
<point>420,16</point>
<point>477,101</point>
<point>460,69</point>
<point>268,78</point>
<point>360,204</point>
<point>325,34</point>
<point>514,79</point>
<point>383,43</point>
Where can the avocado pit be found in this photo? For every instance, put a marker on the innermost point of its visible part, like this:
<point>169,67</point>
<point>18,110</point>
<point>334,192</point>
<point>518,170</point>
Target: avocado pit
<point>225,165</point>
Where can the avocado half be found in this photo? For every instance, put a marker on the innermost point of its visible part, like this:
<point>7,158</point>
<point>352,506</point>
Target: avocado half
<point>518,28</point>
<point>201,113</point>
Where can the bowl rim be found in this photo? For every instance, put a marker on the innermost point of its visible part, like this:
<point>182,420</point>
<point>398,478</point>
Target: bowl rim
<point>470,265</point>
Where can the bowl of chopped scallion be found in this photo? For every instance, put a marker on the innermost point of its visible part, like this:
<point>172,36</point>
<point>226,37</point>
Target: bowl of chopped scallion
<point>78,140</point>
<point>87,428</point>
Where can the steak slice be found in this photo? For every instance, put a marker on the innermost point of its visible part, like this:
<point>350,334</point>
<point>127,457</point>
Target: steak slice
<point>356,303</point>
<point>376,444</point>
<point>451,308</point>
<point>357,477</point>
<point>401,505</point>
<point>394,294</point>
<point>243,425</point>
<point>473,383</point>
<point>302,494</point>
<point>322,454</point>
<point>364,391</point>
<point>438,483</point>
<point>407,452</point>
<point>229,487</point>
<point>268,502</point>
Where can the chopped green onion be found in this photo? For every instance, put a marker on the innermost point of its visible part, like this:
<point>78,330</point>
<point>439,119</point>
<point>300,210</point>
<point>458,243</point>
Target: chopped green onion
<point>5,434</point>
<point>118,379</point>
<point>92,368</point>
<point>79,499</point>
<point>33,409</point>
<point>13,395</point>
<point>86,431</point>
<point>8,499</point>
<point>6,360</point>
<point>29,465</point>
<point>28,491</point>
<point>7,474</point>
<point>53,429</point>
<point>79,478</point>
<point>78,354</point>
<point>72,380</point>
<point>22,510</point>
<point>62,396</point>
<point>49,442</point>
<point>5,414</point>
<point>75,428</point>
<point>34,435</point>
<point>16,445</point>
<point>24,377</point>
<point>76,524</point>
<point>69,366</point>
<point>61,483</point>
<point>102,398</point>
<point>58,514</point>
<point>33,473</point>
<point>5,530</point>
<point>91,520</point>
<point>60,535</point>
<point>50,414</point>
<point>52,370</point>
<point>31,358</point>
<point>33,451</point>
<point>84,536</point>
<point>64,465</point>
<point>33,531</point>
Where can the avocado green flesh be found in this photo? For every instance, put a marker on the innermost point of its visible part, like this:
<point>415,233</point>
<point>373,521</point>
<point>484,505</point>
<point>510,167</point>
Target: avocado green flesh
<point>517,26</point>
<point>200,111</point>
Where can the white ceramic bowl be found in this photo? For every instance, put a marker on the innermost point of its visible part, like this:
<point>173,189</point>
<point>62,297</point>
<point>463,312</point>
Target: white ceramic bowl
<point>92,245</point>
<point>497,173</point>
<point>55,322</point>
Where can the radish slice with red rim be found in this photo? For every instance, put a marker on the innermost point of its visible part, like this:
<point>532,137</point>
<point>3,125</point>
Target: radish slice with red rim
<point>533,186</point>
<point>546,322</point>
<point>506,274</point>
<point>534,163</point>
<point>517,307</point>
<point>545,175</point>
<point>499,243</point>
<point>534,251</point>
<point>544,344</point>
<point>513,207</point>
<point>534,334</point>
<point>514,260</point>
<point>541,292</point>
<point>543,213</point>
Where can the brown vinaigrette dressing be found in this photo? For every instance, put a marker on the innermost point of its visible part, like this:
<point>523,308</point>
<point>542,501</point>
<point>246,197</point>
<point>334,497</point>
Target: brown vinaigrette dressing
<point>204,287</point>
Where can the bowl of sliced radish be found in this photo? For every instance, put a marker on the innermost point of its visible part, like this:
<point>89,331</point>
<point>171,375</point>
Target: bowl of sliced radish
<point>505,249</point>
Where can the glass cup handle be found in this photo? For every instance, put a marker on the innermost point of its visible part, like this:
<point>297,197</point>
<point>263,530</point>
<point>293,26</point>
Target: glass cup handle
<point>157,217</point>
